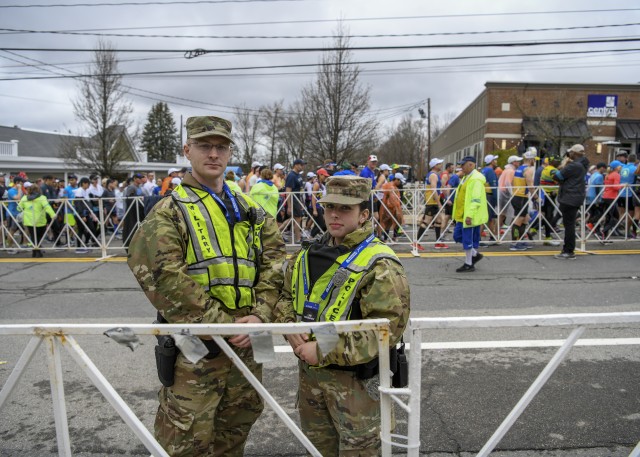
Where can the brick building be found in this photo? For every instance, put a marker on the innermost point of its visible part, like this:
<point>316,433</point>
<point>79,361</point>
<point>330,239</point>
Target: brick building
<point>552,117</point>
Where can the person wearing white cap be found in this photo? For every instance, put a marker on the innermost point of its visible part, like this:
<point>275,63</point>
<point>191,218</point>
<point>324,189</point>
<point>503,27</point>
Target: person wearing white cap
<point>433,211</point>
<point>491,162</point>
<point>172,173</point>
<point>381,180</point>
<point>522,192</point>
<point>369,171</point>
<point>505,189</point>
<point>253,176</point>
<point>278,176</point>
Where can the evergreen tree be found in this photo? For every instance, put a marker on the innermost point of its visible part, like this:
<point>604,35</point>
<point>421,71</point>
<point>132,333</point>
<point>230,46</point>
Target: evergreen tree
<point>160,136</point>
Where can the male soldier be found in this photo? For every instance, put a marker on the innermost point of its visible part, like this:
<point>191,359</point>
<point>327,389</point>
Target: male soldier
<point>209,278</point>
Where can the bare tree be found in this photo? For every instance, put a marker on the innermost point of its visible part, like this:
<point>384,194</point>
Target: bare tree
<point>247,134</point>
<point>439,123</point>
<point>403,142</point>
<point>272,125</point>
<point>295,134</point>
<point>105,113</point>
<point>338,106</point>
<point>551,123</point>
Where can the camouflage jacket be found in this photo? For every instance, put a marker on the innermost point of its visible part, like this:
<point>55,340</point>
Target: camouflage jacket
<point>383,292</point>
<point>157,258</point>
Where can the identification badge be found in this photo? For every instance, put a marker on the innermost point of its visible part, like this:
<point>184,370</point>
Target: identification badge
<point>310,311</point>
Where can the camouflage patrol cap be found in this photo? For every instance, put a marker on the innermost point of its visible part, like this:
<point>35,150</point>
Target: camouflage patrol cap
<point>347,190</point>
<point>203,126</point>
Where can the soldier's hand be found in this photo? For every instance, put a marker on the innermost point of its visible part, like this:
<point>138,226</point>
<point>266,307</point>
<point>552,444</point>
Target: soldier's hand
<point>308,352</point>
<point>297,340</point>
<point>243,341</point>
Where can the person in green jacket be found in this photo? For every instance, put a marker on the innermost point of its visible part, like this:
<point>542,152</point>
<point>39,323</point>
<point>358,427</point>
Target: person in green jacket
<point>470,212</point>
<point>266,193</point>
<point>34,207</point>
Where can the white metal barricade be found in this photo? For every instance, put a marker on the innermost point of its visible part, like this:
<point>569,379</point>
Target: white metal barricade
<point>418,325</point>
<point>61,335</point>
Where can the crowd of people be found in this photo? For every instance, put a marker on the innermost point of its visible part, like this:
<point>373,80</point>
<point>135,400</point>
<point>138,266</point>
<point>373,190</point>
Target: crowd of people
<point>293,196</point>
<point>530,193</point>
<point>38,209</point>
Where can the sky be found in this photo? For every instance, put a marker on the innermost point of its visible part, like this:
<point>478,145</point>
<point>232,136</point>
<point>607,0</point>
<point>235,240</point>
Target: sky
<point>399,83</point>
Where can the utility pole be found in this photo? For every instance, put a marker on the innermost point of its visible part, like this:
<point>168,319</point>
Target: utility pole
<point>424,116</point>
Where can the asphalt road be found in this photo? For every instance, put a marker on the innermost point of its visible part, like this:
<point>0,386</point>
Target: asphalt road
<point>589,408</point>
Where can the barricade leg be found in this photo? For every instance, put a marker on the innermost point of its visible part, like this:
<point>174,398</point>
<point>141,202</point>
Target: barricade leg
<point>57,395</point>
<point>16,374</point>
<point>385,400</point>
<point>127,415</point>
<point>636,451</point>
<point>540,381</point>
<point>415,384</point>
<point>266,396</point>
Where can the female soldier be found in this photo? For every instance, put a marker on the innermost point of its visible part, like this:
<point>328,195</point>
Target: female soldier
<point>347,274</point>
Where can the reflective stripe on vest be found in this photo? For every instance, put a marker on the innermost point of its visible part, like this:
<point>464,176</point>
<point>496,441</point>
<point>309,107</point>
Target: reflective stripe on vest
<point>338,304</point>
<point>221,257</point>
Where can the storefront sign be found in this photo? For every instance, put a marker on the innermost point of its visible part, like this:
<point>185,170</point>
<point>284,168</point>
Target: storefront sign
<point>602,106</point>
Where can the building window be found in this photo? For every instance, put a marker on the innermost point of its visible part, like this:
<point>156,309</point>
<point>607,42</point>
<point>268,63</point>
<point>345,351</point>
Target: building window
<point>506,107</point>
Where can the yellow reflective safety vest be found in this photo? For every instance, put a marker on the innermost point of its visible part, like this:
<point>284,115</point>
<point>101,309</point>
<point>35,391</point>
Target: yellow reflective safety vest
<point>222,257</point>
<point>337,306</point>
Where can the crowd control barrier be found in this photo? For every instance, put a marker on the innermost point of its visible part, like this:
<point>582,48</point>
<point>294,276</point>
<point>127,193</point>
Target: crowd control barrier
<point>105,227</point>
<point>418,325</point>
<point>57,336</point>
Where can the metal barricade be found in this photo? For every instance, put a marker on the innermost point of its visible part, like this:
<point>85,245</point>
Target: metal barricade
<point>57,336</point>
<point>98,225</point>
<point>418,325</point>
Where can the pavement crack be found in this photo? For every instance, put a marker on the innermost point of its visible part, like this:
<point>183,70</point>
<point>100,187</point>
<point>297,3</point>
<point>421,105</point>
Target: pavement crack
<point>430,402</point>
<point>58,280</point>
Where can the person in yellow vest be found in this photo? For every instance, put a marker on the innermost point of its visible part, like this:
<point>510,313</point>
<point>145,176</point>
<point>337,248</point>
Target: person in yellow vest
<point>35,207</point>
<point>347,274</point>
<point>470,212</point>
<point>265,192</point>
<point>207,254</point>
<point>550,194</point>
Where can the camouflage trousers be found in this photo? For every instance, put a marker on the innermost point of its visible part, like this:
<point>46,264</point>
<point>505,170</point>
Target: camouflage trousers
<point>337,414</point>
<point>210,409</point>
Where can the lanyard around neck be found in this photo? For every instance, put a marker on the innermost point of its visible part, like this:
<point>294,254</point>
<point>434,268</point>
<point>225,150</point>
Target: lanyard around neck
<point>223,207</point>
<point>354,254</point>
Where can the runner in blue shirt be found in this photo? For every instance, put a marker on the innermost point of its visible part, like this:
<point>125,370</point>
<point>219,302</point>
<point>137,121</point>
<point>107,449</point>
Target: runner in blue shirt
<point>369,170</point>
<point>627,202</point>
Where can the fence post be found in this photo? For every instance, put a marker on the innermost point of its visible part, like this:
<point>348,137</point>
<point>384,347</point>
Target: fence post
<point>57,395</point>
<point>103,236</point>
<point>415,385</point>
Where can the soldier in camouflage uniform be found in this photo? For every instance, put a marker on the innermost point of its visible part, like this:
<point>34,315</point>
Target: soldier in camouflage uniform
<point>348,274</point>
<point>208,255</point>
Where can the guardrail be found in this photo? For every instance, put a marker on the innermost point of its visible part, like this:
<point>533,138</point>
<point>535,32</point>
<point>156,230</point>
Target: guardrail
<point>104,226</point>
<point>418,325</point>
<point>57,336</point>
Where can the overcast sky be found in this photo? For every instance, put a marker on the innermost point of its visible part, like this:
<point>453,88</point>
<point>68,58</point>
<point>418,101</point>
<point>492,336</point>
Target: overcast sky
<point>396,88</point>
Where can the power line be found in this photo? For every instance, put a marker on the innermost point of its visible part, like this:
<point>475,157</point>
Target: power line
<point>180,100</point>
<point>355,48</point>
<point>199,72</point>
<point>175,2</point>
<point>10,31</point>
